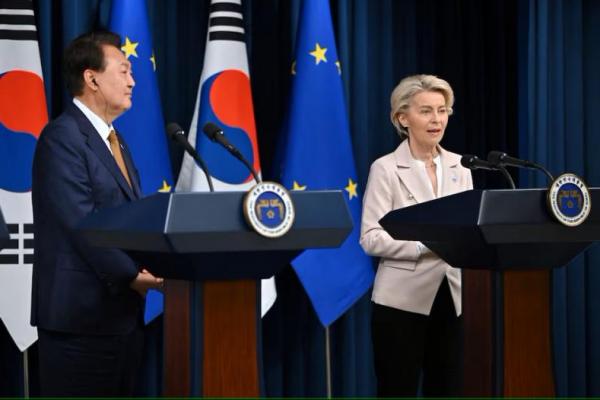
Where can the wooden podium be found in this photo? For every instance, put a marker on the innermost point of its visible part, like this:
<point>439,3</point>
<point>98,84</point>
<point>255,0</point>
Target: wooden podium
<point>203,237</point>
<point>507,242</point>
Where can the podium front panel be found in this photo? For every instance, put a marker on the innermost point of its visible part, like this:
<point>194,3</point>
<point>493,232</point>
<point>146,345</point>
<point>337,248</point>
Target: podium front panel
<point>199,236</point>
<point>522,216</point>
<point>193,229</point>
<point>495,229</point>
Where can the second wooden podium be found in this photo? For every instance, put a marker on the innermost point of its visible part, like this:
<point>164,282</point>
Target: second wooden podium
<point>511,234</point>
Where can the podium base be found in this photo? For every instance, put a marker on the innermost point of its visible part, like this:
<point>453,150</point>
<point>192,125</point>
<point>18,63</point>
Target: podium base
<point>507,347</point>
<point>229,364</point>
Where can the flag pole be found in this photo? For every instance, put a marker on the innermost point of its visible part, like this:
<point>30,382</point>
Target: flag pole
<point>26,374</point>
<point>328,361</point>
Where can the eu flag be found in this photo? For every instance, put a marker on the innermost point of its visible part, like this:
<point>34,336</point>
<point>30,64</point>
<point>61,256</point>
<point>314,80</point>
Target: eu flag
<point>317,154</point>
<point>143,124</point>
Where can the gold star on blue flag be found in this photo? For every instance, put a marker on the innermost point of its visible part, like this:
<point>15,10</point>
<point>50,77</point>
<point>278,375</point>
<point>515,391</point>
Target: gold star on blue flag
<point>334,279</point>
<point>319,54</point>
<point>142,125</point>
<point>153,61</point>
<point>297,186</point>
<point>351,189</point>
<point>129,48</point>
<point>165,188</point>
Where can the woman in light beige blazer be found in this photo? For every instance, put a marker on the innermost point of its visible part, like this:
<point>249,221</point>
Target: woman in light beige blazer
<point>416,324</point>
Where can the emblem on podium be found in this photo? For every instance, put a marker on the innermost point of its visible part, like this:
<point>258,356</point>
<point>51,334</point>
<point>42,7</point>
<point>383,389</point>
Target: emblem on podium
<point>269,210</point>
<point>569,199</point>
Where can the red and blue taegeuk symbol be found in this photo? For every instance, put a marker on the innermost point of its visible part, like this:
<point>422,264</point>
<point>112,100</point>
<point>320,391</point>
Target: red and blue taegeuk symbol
<point>226,100</point>
<point>23,114</point>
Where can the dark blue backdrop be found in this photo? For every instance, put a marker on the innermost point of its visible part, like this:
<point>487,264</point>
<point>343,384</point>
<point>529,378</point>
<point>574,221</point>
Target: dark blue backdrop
<point>560,93</point>
<point>525,79</point>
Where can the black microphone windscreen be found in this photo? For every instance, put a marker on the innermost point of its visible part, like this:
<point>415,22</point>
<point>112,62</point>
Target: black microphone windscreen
<point>211,130</point>
<point>496,157</point>
<point>467,160</point>
<point>173,129</point>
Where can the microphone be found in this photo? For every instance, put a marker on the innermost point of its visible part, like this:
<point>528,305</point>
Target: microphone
<point>177,135</point>
<point>473,162</point>
<point>502,159</point>
<point>216,134</point>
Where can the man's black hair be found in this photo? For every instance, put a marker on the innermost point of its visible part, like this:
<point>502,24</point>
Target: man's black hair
<point>85,52</point>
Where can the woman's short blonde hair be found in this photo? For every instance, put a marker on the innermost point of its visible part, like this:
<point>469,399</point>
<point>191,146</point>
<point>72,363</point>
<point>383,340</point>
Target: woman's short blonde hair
<point>412,85</point>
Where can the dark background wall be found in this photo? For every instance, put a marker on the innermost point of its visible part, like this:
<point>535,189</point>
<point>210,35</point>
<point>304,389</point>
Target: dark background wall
<point>471,44</point>
<point>481,47</point>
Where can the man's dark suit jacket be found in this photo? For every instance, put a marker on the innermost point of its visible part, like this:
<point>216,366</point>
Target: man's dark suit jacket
<point>78,288</point>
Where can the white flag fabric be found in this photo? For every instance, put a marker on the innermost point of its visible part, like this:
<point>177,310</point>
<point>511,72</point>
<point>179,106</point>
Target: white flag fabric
<point>225,98</point>
<point>23,114</point>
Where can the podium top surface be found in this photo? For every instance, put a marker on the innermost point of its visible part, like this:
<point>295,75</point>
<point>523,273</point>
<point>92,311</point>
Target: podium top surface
<point>214,222</point>
<point>495,229</point>
<point>494,216</point>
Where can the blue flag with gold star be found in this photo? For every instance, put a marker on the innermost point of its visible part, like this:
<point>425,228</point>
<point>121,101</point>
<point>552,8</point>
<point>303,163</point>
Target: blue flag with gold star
<point>317,154</point>
<point>143,124</point>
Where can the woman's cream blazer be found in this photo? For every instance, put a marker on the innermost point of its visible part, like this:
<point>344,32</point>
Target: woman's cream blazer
<point>405,279</point>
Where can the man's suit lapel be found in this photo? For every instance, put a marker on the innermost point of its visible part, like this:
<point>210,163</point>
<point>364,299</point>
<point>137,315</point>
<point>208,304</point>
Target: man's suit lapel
<point>131,168</point>
<point>99,148</point>
<point>406,171</point>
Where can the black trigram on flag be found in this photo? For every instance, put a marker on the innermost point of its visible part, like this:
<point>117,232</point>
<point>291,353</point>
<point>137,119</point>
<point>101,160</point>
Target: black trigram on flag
<point>17,21</point>
<point>19,248</point>
<point>226,22</point>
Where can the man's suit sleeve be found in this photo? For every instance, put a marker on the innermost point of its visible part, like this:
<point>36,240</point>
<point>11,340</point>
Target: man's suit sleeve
<point>63,175</point>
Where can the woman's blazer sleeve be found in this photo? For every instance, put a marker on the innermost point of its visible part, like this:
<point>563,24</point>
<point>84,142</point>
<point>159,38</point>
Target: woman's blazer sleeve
<point>382,188</point>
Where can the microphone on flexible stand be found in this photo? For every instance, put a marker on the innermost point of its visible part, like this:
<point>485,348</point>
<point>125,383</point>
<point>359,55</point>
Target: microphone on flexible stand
<point>177,134</point>
<point>216,134</point>
<point>473,162</point>
<point>502,159</point>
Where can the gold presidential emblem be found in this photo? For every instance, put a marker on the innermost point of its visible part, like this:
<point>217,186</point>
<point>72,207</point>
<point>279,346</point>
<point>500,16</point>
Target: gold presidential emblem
<point>269,210</point>
<point>569,200</point>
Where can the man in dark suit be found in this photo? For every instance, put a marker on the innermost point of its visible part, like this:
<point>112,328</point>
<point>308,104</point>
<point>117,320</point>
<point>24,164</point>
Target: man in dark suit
<point>86,301</point>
